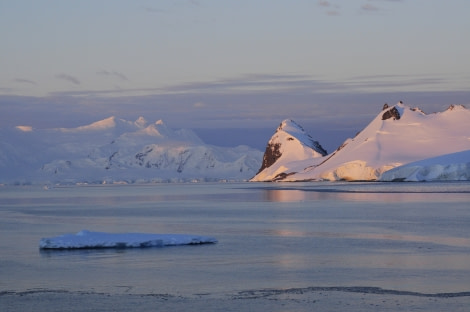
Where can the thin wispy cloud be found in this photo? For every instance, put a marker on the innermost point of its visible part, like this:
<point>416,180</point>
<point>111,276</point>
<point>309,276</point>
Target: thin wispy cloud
<point>26,81</point>
<point>153,10</point>
<point>68,78</point>
<point>199,105</point>
<point>385,0</point>
<point>331,9</point>
<point>114,74</point>
<point>324,3</point>
<point>373,8</point>
<point>332,13</point>
<point>369,8</point>
<point>274,84</point>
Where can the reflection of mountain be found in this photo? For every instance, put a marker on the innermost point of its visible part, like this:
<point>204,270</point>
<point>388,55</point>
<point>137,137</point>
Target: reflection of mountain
<point>115,150</point>
<point>274,195</point>
<point>299,195</point>
<point>294,195</point>
<point>398,135</point>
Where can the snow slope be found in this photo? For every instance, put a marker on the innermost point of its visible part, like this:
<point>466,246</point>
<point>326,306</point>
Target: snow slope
<point>289,146</point>
<point>398,135</point>
<point>86,239</point>
<point>116,150</point>
<point>450,167</point>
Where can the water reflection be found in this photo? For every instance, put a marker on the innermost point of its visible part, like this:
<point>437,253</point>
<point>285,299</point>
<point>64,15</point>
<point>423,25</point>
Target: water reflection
<point>409,238</point>
<point>299,195</point>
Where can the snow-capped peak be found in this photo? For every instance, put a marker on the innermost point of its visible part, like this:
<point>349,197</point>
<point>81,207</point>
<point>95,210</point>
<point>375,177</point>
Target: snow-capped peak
<point>456,108</point>
<point>115,149</point>
<point>297,132</point>
<point>158,129</point>
<point>107,123</point>
<point>24,128</point>
<point>290,143</point>
<point>397,136</point>
<point>140,122</point>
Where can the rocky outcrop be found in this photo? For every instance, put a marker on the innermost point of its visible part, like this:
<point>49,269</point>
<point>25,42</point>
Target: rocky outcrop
<point>271,154</point>
<point>391,112</point>
<point>289,143</point>
<point>397,136</point>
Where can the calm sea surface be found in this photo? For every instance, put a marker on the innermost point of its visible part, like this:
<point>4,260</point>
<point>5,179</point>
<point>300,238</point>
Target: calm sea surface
<point>399,236</point>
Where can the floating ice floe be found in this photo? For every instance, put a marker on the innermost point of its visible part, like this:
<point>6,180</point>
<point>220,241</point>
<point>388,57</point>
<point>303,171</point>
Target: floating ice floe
<point>87,239</point>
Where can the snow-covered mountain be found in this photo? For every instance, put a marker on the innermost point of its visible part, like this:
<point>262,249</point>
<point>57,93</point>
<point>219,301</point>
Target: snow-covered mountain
<point>289,146</point>
<point>399,135</point>
<point>116,150</point>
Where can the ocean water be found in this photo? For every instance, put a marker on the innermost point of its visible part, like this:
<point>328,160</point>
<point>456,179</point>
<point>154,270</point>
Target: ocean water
<point>396,236</point>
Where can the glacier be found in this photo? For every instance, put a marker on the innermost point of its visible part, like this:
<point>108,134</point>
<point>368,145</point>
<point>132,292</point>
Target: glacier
<point>95,240</point>
<point>450,167</point>
<point>114,150</point>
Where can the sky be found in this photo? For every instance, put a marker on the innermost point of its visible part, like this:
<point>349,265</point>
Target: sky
<point>231,70</point>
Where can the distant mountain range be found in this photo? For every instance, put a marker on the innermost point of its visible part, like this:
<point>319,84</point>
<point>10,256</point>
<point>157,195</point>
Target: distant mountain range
<point>118,151</point>
<point>400,144</point>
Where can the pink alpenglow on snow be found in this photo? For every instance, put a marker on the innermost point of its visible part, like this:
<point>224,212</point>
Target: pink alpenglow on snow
<point>450,167</point>
<point>290,146</point>
<point>399,135</point>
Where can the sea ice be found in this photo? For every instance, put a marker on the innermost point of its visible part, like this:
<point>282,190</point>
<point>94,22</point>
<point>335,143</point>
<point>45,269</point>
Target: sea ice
<point>87,239</point>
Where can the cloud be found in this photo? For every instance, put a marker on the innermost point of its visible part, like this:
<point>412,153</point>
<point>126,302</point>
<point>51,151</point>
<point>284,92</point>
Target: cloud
<point>115,74</point>
<point>153,10</point>
<point>385,0</point>
<point>22,80</point>
<point>369,7</point>
<point>199,105</point>
<point>68,78</point>
<point>330,110</point>
<point>333,9</point>
<point>275,84</point>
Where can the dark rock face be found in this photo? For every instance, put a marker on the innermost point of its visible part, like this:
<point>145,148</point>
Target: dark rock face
<point>270,156</point>
<point>391,113</point>
<point>290,127</point>
<point>317,147</point>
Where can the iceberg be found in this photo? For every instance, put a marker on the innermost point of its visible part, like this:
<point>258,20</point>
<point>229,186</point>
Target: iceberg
<point>92,240</point>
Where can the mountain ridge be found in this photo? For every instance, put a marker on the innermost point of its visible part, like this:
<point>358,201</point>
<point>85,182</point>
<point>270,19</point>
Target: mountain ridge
<point>398,135</point>
<point>116,150</point>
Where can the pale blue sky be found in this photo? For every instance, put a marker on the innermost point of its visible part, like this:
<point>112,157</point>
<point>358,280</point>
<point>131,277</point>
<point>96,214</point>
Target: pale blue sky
<point>231,64</point>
